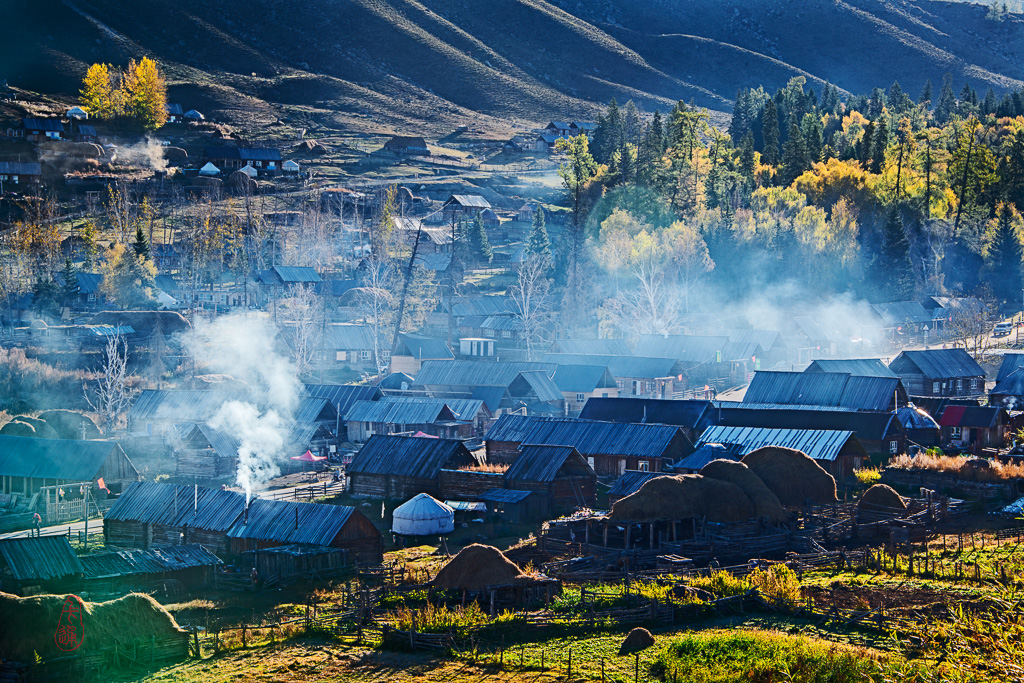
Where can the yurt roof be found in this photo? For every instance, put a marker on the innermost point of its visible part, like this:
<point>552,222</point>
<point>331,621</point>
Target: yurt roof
<point>423,506</point>
<point>209,168</point>
<point>290,165</point>
<point>249,171</point>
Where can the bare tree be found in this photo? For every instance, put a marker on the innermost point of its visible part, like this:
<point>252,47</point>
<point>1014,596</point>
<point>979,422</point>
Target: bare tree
<point>971,324</point>
<point>122,211</point>
<point>111,394</point>
<point>303,311</point>
<point>530,297</point>
<point>376,302</point>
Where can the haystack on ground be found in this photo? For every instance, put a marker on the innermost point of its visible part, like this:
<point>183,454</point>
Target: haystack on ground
<point>882,499</point>
<point>145,322</point>
<point>134,618</point>
<point>792,476</point>
<point>42,429</point>
<point>478,566</point>
<point>638,640</point>
<point>976,469</point>
<point>766,504</point>
<point>18,428</point>
<point>682,497</point>
<point>241,182</point>
<point>71,424</point>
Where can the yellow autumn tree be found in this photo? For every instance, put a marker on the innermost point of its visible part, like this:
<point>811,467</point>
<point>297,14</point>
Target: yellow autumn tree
<point>127,278</point>
<point>98,94</point>
<point>145,93</point>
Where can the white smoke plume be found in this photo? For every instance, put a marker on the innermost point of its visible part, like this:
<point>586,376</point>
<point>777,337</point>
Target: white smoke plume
<point>145,154</point>
<point>244,347</point>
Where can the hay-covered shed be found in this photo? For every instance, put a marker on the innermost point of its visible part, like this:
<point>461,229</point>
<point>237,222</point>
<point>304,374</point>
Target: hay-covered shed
<point>559,475</point>
<point>46,564</point>
<point>838,452</point>
<point>149,514</point>
<point>270,523</point>
<point>390,466</point>
<point>121,571</point>
<point>27,464</point>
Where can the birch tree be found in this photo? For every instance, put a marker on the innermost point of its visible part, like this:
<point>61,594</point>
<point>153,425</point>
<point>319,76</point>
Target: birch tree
<point>110,394</point>
<point>531,301</point>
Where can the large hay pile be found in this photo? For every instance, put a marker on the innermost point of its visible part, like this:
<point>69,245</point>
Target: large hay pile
<point>18,428</point>
<point>638,640</point>
<point>792,476</point>
<point>145,322</point>
<point>683,496</point>
<point>881,498</point>
<point>132,618</point>
<point>766,504</point>
<point>70,424</point>
<point>41,430</point>
<point>478,566</point>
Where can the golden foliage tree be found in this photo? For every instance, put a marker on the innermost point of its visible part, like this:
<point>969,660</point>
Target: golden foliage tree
<point>97,94</point>
<point>145,93</point>
<point>127,278</point>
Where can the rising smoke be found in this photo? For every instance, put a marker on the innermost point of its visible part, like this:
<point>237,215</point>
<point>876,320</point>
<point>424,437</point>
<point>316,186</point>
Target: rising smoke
<point>147,153</point>
<point>245,348</point>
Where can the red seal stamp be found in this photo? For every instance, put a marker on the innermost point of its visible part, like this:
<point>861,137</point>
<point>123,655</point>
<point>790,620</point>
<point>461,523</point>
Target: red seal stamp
<point>70,632</point>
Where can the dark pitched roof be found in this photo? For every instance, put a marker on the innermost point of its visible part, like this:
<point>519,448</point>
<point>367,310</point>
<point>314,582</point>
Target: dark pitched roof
<point>20,168</point>
<point>297,274</point>
<point>243,153</point>
<point>704,454</point>
<point>766,339</point>
<point>50,125</point>
<point>510,427</point>
<point>539,383</point>
<point>620,366</point>
<point>180,405</point>
<point>583,378</point>
<point>542,463</point>
<point>482,305</point>
<point>174,109</point>
<point>1011,363</point>
<point>44,558</point>
<point>176,505</point>
<point>591,437</point>
<point>348,337</point>
<point>969,416</point>
<point>646,410</point>
<point>23,456</point>
<point>343,395</point>
<point>897,313</point>
<point>631,481</point>
<point>864,367</point>
<point>84,129</point>
<point>1011,388</point>
<point>409,456</point>
<point>598,347</point>
<point>867,425</point>
<point>401,410</point>
<point>824,389</point>
<point>284,521</point>
<point>938,363</point>
<point>692,349</point>
<point>497,495</point>
<point>912,417</point>
<point>419,346</point>
<point>474,373</point>
<point>153,561</point>
<point>819,444</point>
<point>474,201</point>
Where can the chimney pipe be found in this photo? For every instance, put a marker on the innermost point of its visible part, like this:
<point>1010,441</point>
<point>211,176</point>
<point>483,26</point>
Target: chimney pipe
<point>296,518</point>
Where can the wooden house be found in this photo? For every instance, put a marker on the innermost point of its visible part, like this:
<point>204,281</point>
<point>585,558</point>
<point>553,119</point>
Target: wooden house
<point>920,427</point>
<point>298,561</point>
<point>39,129</point>
<point>205,453</point>
<point>280,281</point>
<point>559,475</point>
<point>580,383</point>
<point>825,390</point>
<point>402,466</point>
<point>692,416</point>
<point>116,573</point>
<point>20,176</point>
<point>412,349</point>
<point>342,396</point>
<point>634,375</point>
<point>591,347</point>
<point>405,145</point>
<point>939,372</point>
<point>974,427</point>
<point>445,418</point>
<point>514,506</point>
<point>504,386</point>
<point>266,161</point>
<point>432,239</point>
<point>505,436</point>
<point>464,207</point>
<point>352,345</point>
<point>46,564</point>
<point>838,452</point>
<point>149,514</point>
<point>157,411</point>
<point>175,114</point>
<point>270,523</point>
<point>28,464</point>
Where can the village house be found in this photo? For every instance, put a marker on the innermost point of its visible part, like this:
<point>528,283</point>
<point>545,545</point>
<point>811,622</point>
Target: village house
<point>692,416</point>
<point>404,145</point>
<point>861,367</point>
<point>634,375</point>
<point>546,142</point>
<point>705,359</point>
<point>353,345</point>
<point>280,281</point>
<point>82,132</point>
<point>157,411</point>
<point>445,418</point>
<point>464,207</point>
<point>402,466</point>
<point>821,389</point>
<point>46,564</point>
<point>1009,389</point>
<point>503,386</point>
<point>343,396</point>
<point>939,372</point>
<point>974,427</point>
<point>559,475</point>
<point>266,161</point>
<point>149,514</point>
<point>413,349</point>
<point>897,321</point>
<point>113,574</point>
<point>773,345</point>
<point>514,506</point>
<point>36,129</point>
<point>175,114</point>
<point>920,427</point>
<point>580,383</point>
<point>505,436</point>
<point>28,464</point>
<point>271,523</point>
<point>432,239</point>
<point>20,176</point>
<point>838,452</point>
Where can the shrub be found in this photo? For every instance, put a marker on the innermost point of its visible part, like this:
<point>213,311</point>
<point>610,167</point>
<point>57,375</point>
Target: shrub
<point>779,584</point>
<point>721,584</point>
<point>868,476</point>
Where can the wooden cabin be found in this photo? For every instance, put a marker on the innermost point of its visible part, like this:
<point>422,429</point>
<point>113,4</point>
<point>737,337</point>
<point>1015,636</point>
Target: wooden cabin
<point>167,568</point>
<point>28,464</point>
<point>30,566</point>
<point>559,475</point>
<point>390,466</point>
<point>940,372</point>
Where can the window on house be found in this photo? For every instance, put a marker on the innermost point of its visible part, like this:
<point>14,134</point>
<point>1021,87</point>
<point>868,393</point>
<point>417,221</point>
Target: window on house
<point>580,398</point>
<point>935,387</point>
<point>644,466</point>
<point>959,385</point>
<point>365,355</point>
<point>507,334</point>
<point>974,383</point>
<point>893,447</point>
<point>341,356</point>
<point>955,432</point>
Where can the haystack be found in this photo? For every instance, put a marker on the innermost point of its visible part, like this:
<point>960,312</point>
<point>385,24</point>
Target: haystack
<point>976,469</point>
<point>42,430</point>
<point>241,182</point>
<point>684,496</point>
<point>478,566</point>
<point>18,428</point>
<point>792,475</point>
<point>71,424</point>
<point>766,504</point>
<point>145,322</point>
<point>638,640</point>
<point>881,498</point>
<point>132,618</point>
<point>175,154</point>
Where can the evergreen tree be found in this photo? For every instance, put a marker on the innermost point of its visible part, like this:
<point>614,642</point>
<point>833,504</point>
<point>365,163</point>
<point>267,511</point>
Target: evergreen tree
<point>69,284</point>
<point>770,133</point>
<point>794,156</point>
<point>656,135</point>
<point>739,125</point>
<point>608,134</point>
<point>141,245</point>
<point>829,99</point>
<point>898,101</point>
<point>813,133</point>
<point>748,163</point>
<point>894,270</point>
<point>926,94</point>
<point>90,248</point>
<point>946,106</point>
<point>480,246</point>
<point>1004,255</point>
<point>876,104</point>
<point>879,143</point>
<point>989,104</point>
<point>866,145</point>
<point>45,295</point>
<point>539,245</point>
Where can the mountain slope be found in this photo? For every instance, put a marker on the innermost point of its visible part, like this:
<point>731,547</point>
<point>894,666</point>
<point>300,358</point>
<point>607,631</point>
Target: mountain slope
<point>406,64</point>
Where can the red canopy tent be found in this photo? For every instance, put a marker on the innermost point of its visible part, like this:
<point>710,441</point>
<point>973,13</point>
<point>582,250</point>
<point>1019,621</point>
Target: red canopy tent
<point>309,457</point>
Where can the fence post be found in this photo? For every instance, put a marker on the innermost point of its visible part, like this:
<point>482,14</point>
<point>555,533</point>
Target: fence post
<point>568,672</point>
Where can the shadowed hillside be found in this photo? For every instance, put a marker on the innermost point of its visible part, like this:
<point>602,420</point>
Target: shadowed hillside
<point>402,62</point>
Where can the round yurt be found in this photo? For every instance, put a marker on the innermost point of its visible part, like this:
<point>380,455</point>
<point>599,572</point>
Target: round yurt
<point>423,515</point>
<point>209,170</point>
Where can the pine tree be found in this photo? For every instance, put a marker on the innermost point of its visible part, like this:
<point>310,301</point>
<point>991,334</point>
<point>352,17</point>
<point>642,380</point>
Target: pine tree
<point>69,284</point>
<point>480,245</point>
<point>748,162</point>
<point>770,133</point>
<point>89,246</point>
<point>813,133</point>
<point>794,156</point>
<point>989,105</point>
<point>899,102</point>
<point>45,294</point>
<point>739,125</point>
<point>876,104</point>
<point>656,134</point>
<point>926,93</point>
<point>829,99</point>
<point>539,245</point>
<point>946,106</point>
<point>141,244</point>
<point>893,266</point>
<point>879,143</point>
<point>1004,255</point>
<point>866,144</point>
<point>97,93</point>
<point>145,93</point>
